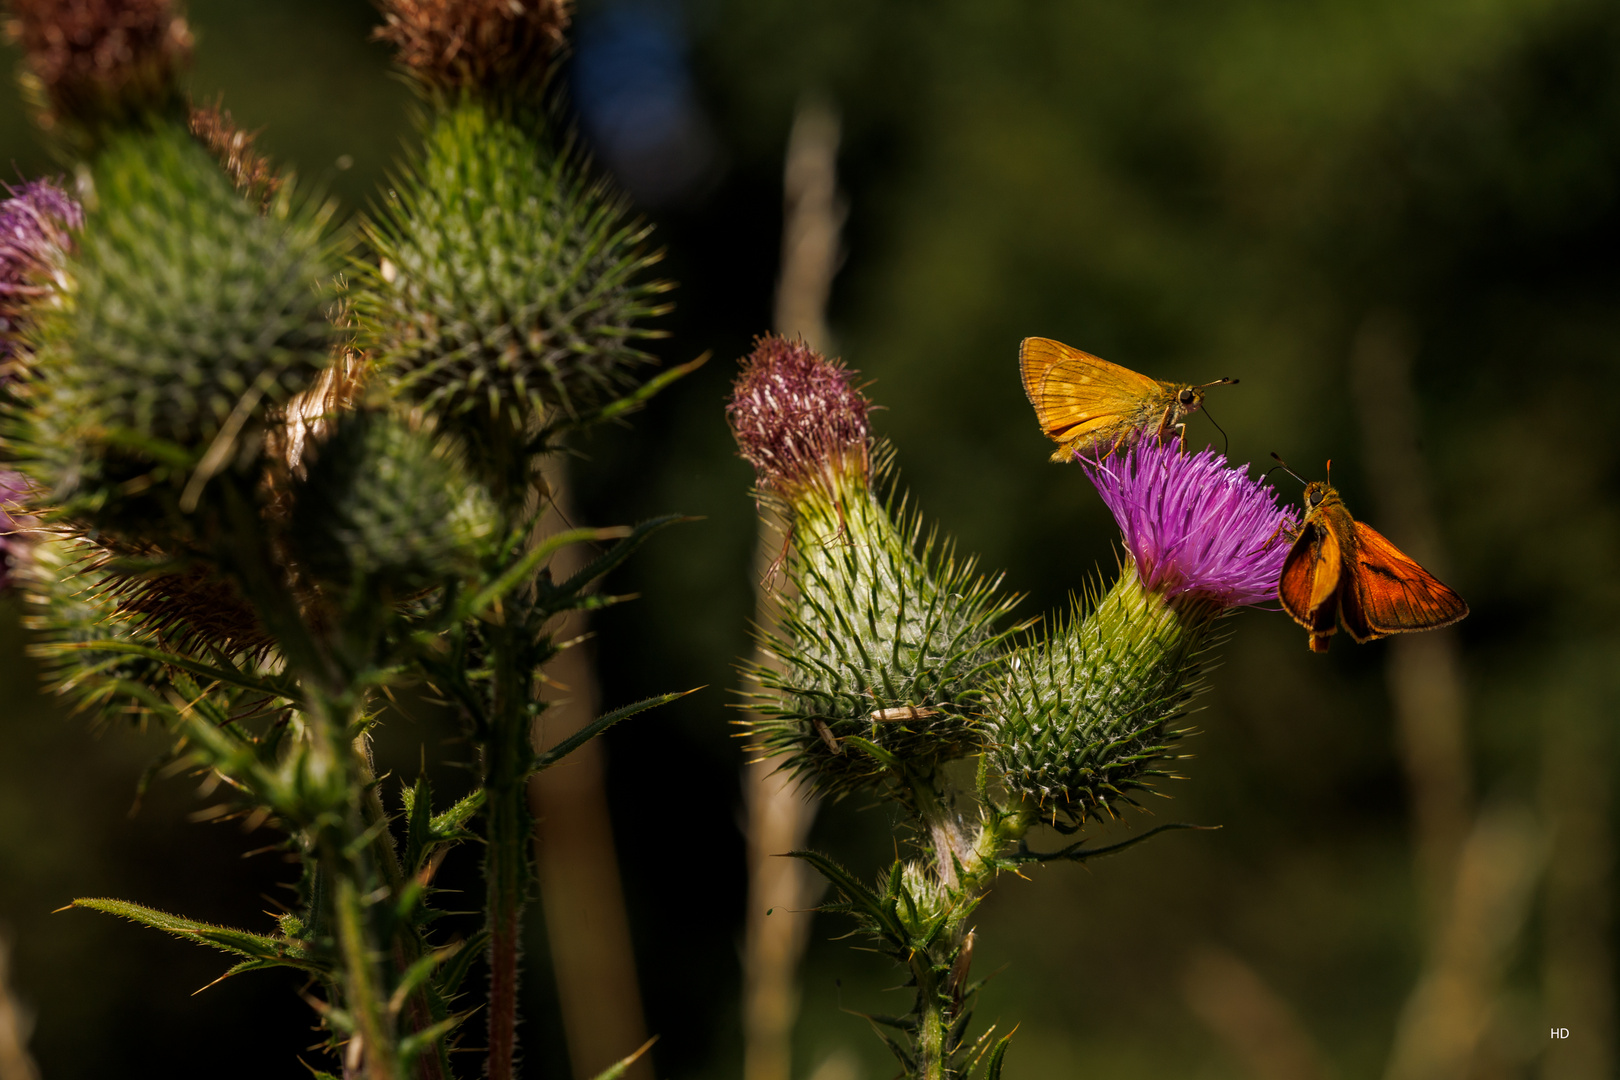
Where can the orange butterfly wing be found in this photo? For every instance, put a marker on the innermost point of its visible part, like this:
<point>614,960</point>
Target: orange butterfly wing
<point>1078,396</point>
<point>1395,593</point>
<point>1310,582</point>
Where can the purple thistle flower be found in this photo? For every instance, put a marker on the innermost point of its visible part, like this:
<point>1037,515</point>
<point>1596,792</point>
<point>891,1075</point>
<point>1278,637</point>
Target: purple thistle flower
<point>36,223</point>
<point>1195,525</point>
<point>798,418</point>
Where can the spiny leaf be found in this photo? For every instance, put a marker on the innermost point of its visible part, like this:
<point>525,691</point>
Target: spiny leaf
<point>601,724</point>
<point>618,1068</point>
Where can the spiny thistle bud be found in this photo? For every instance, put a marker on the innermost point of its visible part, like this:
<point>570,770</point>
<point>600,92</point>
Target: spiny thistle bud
<point>508,288</point>
<point>1084,718</point>
<point>485,45</point>
<point>100,61</point>
<point>233,148</point>
<point>799,419</point>
<point>188,317</point>
<point>37,224</point>
<point>384,503</point>
<point>884,636</point>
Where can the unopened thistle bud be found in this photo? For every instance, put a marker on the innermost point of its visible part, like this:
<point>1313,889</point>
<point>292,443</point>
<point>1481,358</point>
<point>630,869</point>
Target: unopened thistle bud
<point>885,638</point>
<point>508,292</point>
<point>480,45</point>
<point>385,504</point>
<point>37,224</point>
<point>91,62</point>
<point>1085,718</point>
<point>188,317</point>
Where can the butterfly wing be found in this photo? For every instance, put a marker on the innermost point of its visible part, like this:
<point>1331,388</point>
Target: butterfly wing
<point>1310,582</point>
<point>1395,593</point>
<point>1082,401</point>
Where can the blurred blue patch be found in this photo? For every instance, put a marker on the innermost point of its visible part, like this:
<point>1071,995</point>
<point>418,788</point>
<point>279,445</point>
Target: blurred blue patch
<point>637,102</point>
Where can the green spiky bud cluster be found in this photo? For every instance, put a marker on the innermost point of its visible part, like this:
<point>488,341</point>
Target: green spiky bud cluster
<point>509,285</point>
<point>1086,716</point>
<point>382,501</point>
<point>187,317</point>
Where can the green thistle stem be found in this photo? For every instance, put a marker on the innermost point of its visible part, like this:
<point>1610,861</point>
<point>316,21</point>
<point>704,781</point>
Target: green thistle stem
<point>508,760</point>
<point>360,979</point>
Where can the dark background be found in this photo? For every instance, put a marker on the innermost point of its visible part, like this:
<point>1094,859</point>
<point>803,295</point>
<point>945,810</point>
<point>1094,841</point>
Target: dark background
<point>1193,189</point>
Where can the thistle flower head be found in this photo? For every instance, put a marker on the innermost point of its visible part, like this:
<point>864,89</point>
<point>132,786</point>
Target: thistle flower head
<point>36,226</point>
<point>92,60</point>
<point>1194,525</point>
<point>475,44</point>
<point>798,418</point>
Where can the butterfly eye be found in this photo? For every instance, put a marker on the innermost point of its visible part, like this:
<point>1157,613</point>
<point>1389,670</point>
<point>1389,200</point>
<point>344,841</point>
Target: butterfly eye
<point>1187,397</point>
<point>1314,498</point>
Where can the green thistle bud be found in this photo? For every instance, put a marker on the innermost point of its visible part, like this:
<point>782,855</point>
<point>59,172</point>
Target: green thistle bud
<point>884,636</point>
<point>1086,717</point>
<point>186,317</point>
<point>385,503</point>
<point>508,287</point>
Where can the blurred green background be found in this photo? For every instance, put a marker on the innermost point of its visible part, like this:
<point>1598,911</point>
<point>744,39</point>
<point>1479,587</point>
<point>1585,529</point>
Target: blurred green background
<point>1233,187</point>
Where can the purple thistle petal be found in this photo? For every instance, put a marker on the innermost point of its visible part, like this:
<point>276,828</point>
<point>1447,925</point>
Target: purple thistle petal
<point>1195,525</point>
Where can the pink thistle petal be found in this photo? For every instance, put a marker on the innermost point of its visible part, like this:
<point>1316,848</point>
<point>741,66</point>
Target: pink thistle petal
<point>1195,525</point>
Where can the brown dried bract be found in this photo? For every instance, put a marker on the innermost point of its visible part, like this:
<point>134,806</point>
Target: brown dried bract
<point>248,169</point>
<point>92,57</point>
<point>476,44</point>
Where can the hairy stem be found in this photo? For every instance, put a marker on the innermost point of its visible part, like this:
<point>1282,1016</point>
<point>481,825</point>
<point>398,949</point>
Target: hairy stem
<point>508,757</point>
<point>360,987</point>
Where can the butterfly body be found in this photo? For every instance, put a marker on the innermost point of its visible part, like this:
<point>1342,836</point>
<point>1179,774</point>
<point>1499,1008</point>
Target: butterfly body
<point>1092,408</point>
<point>1343,572</point>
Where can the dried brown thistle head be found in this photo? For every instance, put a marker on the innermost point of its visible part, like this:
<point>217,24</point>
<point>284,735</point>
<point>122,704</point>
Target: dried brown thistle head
<point>248,169</point>
<point>94,60</point>
<point>456,45</point>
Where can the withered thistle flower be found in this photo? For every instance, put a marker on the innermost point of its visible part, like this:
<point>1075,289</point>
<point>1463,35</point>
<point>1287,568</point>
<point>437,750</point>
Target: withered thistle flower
<point>799,419</point>
<point>95,60</point>
<point>248,169</point>
<point>36,230</point>
<point>458,45</point>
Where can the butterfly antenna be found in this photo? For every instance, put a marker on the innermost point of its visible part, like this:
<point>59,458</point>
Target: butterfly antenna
<point>1328,472</point>
<point>1223,381</point>
<point>1226,443</point>
<point>1283,465</point>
